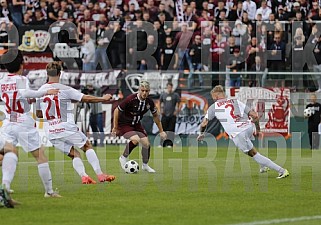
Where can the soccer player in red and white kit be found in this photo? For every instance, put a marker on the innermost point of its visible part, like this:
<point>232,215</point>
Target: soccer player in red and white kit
<point>62,131</point>
<point>127,118</point>
<point>234,117</point>
<point>19,125</point>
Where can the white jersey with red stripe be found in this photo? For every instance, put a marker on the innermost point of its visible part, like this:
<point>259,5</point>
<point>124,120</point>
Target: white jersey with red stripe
<point>57,110</point>
<point>232,114</point>
<point>18,108</point>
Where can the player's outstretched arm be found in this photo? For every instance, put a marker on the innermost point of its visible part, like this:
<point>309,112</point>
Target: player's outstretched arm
<point>202,129</point>
<point>114,131</point>
<point>38,94</point>
<point>255,118</point>
<point>94,99</point>
<point>156,119</point>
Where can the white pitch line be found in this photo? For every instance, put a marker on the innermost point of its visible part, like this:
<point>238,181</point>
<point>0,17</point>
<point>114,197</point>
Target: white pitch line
<point>284,220</point>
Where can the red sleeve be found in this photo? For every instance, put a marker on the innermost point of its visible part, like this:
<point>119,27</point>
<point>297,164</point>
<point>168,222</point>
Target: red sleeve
<point>153,108</point>
<point>123,104</point>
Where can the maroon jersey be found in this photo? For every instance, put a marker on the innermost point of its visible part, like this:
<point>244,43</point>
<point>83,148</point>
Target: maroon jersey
<point>132,109</point>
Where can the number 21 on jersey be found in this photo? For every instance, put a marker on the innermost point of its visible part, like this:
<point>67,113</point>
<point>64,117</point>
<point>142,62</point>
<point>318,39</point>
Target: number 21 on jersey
<point>50,101</point>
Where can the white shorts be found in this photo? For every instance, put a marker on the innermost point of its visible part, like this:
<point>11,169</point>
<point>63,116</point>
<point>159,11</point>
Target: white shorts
<point>243,140</point>
<point>64,144</point>
<point>27,137</point>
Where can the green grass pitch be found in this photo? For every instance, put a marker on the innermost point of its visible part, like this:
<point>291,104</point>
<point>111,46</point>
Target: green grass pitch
<point>192,186</point>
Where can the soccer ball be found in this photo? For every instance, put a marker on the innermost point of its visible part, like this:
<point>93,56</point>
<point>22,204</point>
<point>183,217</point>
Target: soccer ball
<point>131,167</point>
<point>307,112</point>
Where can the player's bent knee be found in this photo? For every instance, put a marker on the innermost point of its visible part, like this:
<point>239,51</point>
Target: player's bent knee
<point>252,152</point>
<point>135,142</point>
<point>73,153</point>
<point>87,146</point>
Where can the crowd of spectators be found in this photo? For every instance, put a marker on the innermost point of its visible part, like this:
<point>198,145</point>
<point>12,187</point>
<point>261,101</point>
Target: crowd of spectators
<point>217,35</point>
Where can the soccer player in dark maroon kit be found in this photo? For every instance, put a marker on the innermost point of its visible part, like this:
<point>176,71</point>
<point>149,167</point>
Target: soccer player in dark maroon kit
<point>127,118</point>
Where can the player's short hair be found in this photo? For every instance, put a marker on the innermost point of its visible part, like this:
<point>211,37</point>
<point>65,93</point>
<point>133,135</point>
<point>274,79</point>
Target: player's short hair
<point>144,84</point>
<point>53,69</point>
<point>12,60</point>
<point>313,95</point>
<point>218,89</point>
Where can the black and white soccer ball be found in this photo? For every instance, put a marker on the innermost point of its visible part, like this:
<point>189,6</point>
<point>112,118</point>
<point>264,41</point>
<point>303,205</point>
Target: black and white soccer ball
<point>307,112</point>
<point>131,167</point>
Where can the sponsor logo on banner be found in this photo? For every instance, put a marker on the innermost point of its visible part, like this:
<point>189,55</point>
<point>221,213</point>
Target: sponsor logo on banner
<point>35,41</point>
<point>36,61</point>
<point>272,105</point>
<point>157,80</point>
<point>62,50</point>
<point>39,77</point>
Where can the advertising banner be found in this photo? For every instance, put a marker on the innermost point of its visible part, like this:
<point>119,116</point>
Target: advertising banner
<point>272,104</point>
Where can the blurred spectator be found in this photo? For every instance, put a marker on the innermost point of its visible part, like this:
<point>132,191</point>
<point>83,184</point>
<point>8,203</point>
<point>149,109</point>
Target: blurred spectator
<point>315,12</point>
<point>26,19</point>
<point>117,17</point>
<point>38,19</point>
<point>88,49</point>
<point>235,64</point>
<point>239,32</point>
<point>250,7</point>
<point>169,58</point>
<point>15,9</point>
<point>204,20</point>
<point>195,53</point>
<point>53,9</point>
<point>137,39</point>
<point>148,62</point>
<point>300,21</point>
<point>281,15</point>
<point>264,10</point>
<point>160,33</point>
<point>277,59</point>
<point>4,11</point>
<point>245,19</point>
<point>96,117</point>
<point>169,6</point>
<point>256,80</point>
<point>317,68</point>
<point>252,51</point>
<point>237,13</point>
<point>152,9</point>
<point>169,109</point>
<point>146,17</point>
<point>182,41</point>
<point>313,122</point>
<point>220,8</point>
<point>102,43</point>
<point>162,9</point>
<point>206,39</point>
<point>118,52</point>
<point>298,58</point>
<point>190,18</point>
<point>226,56</point>
<point>296,8</point>
<point>218,57</point>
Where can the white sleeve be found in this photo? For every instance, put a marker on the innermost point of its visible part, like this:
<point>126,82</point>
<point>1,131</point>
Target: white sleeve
<point>210,112</point>
<point>32,93</point>
<point>73,94</point>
